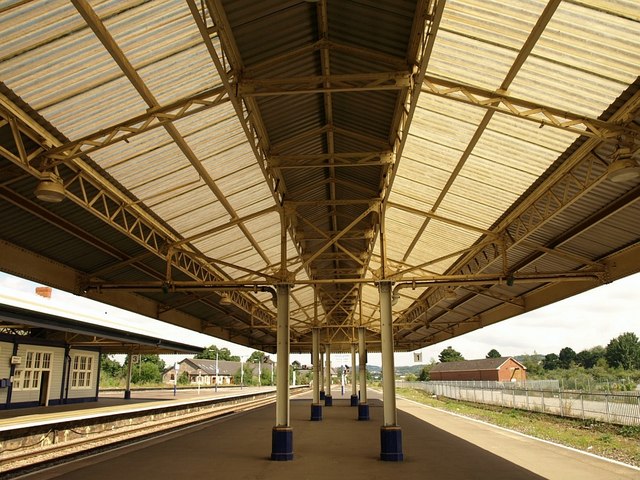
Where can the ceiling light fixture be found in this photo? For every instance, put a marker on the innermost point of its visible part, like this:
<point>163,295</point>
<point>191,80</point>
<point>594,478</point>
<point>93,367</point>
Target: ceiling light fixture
<point>225,299</point>
<point>50,189</point>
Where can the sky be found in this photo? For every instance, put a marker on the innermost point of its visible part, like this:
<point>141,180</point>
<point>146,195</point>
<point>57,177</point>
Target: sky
<point>582,321</point>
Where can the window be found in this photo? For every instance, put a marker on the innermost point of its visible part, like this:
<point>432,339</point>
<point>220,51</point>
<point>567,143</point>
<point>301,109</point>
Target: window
<point>81,371</point>
<point>27,376</point>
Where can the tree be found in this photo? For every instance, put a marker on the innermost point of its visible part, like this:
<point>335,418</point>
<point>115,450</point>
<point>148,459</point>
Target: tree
<point>184,379</point>
<point>589,358</point>
<point>148,371</point>
<point>248,377</point>
<point>533,364</point>
<point>493,353</point>
<point>624,351</point>
<point>110,367</point>
<point>257,357</point>
<point>450,355</point>
<point>567,357</point>
<point>550,362</point>
<point>423,376</point>
<point>223,353</point>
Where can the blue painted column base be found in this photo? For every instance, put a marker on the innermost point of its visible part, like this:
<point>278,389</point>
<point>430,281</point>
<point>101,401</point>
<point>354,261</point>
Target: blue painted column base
<point>363,411</point>
<point>391,444</point>
<point>328,401</point>
<point>282,444</point>
<point>316,412</point>
<point>127,394</point>
<point>321,394</point>
<point>354,400</point>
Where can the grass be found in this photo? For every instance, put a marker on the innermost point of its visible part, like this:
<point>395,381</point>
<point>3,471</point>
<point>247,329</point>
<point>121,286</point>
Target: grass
<point>617,442</point>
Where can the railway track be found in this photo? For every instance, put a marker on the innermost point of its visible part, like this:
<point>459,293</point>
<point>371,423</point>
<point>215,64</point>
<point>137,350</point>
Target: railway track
<point>31,448</point>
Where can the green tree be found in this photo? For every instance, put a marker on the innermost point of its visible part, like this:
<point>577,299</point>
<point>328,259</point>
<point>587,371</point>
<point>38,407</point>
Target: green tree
<point>493,353</point>
<point>223,353</point>
<point>257,356</point>
<point>567,357</point>
<point>624,351</point>
<point>450,355</point>
<point>424,374</point>
<point>110,367</point>
<point>183,379</point>
<point>149,370</point>
<point>146,372</point>
<point>550,362</point>
<point>589,358</point>
<point>248,377</point>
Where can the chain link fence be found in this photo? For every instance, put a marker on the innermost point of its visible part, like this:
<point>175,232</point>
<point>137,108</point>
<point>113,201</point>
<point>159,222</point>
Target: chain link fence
<point>621,408</point>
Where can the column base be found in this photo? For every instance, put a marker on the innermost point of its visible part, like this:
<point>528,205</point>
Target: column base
<point>316,412</point>
<point>328,401</point>
<point>321,394</point>
<point>391,444</point>
<point>363,411</point>
<point>354,400</point>
<point>127,394</point>
<point>282,444</point>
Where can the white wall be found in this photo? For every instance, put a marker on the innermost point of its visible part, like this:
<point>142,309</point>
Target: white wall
<point>83,392</point>
<point>6,349</point>
<point>55,375</point>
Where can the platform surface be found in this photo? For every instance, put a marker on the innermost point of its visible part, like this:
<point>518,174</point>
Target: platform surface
<point>437,445</point>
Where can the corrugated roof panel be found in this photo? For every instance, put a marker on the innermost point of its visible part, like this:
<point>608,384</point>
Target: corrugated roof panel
<point>150,168</point>
<point>286,25</point>
<point>612,50</point>
<point>390,20</point>
<point>438,240</point>
<point>167,79</point>
<point>492,21</point>
<point>560,86</point>
<point>469,62</point>
<point>573,60</point>
<point>397,220</point>
<point>371,112</point>
<point>289,115</point>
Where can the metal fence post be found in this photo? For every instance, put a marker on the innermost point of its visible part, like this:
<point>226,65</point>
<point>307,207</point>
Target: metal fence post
<point>561,406</point>
<point>542,401</point>
<point>582,403</point>
<point>606,402</point>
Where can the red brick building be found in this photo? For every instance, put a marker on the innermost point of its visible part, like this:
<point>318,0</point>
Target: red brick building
<point>502,369</point>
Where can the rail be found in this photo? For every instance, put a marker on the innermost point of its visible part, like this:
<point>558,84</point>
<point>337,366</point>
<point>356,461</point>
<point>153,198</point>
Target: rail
<point>44,439</point>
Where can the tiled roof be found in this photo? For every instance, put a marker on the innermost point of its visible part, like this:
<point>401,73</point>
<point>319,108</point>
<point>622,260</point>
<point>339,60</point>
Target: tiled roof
<point>466,365</point>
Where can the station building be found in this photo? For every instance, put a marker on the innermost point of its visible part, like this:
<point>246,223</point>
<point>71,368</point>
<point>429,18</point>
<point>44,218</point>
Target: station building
<point>50,354</point>
<point>501,369</point>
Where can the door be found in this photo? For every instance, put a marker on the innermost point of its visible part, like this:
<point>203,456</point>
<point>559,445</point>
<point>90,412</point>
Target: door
<point>44,388</point>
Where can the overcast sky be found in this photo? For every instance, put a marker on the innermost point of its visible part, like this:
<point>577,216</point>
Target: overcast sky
<point>583,321</point>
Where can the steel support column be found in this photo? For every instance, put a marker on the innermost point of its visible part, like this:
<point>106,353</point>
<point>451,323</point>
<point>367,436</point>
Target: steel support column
<point>282,433</point>
<point>363,406</point>
<point>321,376</point>
<point>328,399</point>
<point>316,406</point>
<point>354,391</point>
<point>390,433</point>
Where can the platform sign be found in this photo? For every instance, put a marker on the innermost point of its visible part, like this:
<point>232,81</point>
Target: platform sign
<point>135,358</point>
<point>16,360</point>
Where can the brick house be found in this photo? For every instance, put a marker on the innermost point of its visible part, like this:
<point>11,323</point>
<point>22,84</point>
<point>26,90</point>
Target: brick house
<point>501,369</point>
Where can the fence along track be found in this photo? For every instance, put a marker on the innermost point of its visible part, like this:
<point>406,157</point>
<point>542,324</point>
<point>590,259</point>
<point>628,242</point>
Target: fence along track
<point>32,447</point>
<point>619,408</point>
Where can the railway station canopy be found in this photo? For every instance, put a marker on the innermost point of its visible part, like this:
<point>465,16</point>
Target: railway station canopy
<point>181,158</point>
<point>33,319</point>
